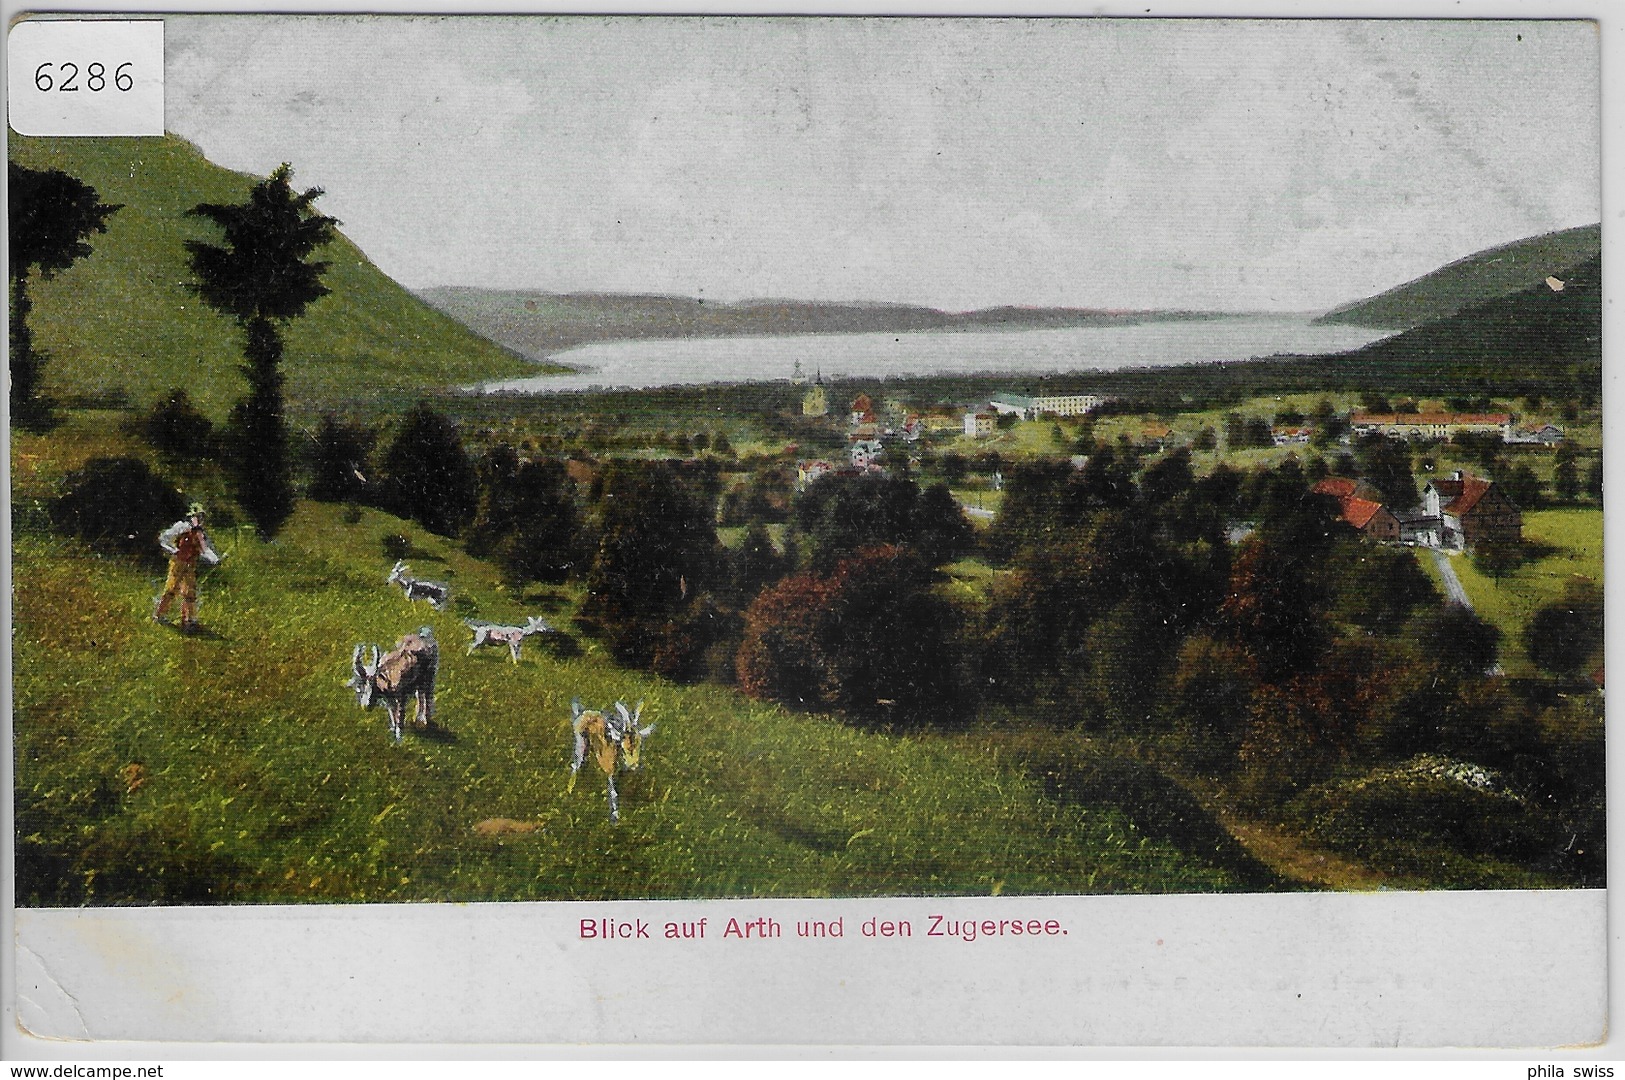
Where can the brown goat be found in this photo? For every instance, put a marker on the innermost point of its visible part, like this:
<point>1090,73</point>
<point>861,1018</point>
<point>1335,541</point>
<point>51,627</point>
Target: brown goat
<point>406,671</point>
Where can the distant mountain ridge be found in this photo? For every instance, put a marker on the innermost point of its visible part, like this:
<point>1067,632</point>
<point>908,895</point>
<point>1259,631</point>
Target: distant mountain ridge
<point>539,323</point>
<point>1484,276</point>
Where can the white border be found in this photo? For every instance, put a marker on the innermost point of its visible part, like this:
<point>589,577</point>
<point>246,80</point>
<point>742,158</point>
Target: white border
<point>281,957</point>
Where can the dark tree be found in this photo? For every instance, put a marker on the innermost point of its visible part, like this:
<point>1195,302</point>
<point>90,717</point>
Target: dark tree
<point>1386,465</point>
<point>1456,642</point>
<point>177,430</point>
<point>1594,479</point>
<point>657,556</point>
<point>527,519</point>
<point>118,505</point>
<point>1566,473</point>
<point>1171,475</point>
<point>339,463</point>
<point>427,475</point>
<point>1521,485</point>
<point>261,279</point>
<point>1563,636</point>
<point>50,216</point>
<point>1327,423</point>
<point>841,515</point>
<point>756,564</point>
<point>1273,610</point>
<point>871,640</point>
<point>942,532</point>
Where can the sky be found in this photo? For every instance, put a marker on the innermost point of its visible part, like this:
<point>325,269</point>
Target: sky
<point>1191,164</point>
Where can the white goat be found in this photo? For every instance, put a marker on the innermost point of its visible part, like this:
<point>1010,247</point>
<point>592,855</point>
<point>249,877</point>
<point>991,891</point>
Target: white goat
<point>406,671</point>
<point>436,592</point>
<point>617,741</point>
<point>512,636</point>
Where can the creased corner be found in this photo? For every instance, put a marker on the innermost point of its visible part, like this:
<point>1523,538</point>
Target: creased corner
<point>45,1008</point>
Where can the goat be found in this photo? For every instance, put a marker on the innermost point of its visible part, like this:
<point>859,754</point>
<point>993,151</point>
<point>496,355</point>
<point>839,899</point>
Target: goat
<point>512,636</point>
<point>617,741</point>
<point>436,592</point>
<point>407,670</point>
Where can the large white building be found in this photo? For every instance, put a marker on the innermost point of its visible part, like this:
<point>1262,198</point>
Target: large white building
<point>1030,408</point>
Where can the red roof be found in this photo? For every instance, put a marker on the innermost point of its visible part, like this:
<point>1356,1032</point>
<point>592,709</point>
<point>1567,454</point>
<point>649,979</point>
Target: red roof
<point>1338,487</point>
<point>1359,512</point>
<point>1498,419</point>
<point>1459,496</point>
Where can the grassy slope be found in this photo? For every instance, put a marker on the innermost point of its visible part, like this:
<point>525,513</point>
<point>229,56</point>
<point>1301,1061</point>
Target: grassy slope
<point>1575,539</point>
<point>1480,277</point>
<point>258,775</point>
<point>123,318</point>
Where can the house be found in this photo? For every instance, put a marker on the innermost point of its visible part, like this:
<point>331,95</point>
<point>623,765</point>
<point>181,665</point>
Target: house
<point>1290,436</point>
<point>815,402</point>
<point>867,452</point>
<point>1472,511</point>
<point>1442,426</point>
<point>1372,518</point>
<point>1361,506</point>
<point>1537,434</point>
<point>1018,405</point>
<point>1340,487</point>
<point>808,471</point>
<point>863,410</point>
<point>867,431</point>
<point>1031,407</point>
<point>979,425</point>
<point>1155,435</point>
<point>944,420</point>
<point>1417,527</point>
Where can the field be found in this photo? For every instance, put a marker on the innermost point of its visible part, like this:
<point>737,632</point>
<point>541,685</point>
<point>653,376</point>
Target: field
<point>235,766</point>
<point>1572,542</point>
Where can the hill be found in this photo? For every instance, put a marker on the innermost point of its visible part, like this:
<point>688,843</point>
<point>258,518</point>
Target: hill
<point>1479,278</point>
<point>539,324</point>
<point>234,765</point>
<point>1535,338</point>
<point>122,319</point>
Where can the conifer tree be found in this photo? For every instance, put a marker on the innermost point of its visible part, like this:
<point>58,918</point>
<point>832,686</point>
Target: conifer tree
<point>50,215</point>
<point>261,278</point>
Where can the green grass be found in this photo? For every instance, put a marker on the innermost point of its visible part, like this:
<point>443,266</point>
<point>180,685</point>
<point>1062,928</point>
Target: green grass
<point>236,766</point>
<point>123,319</point>
<point>1574,538</point>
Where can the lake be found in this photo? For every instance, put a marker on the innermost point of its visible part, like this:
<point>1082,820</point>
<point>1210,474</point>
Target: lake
<point>637,365</point>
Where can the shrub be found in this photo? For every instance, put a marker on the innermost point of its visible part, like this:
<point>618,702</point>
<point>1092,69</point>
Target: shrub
<point>176,429</point>
<point>1562,637</point>
<point>428,476</point>
<point>1427,812</point>
<point>870,640</point>
<point>339,461</point>
<point>118,505</point>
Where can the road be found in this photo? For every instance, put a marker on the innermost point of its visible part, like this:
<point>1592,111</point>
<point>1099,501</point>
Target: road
<point>1452,583</point>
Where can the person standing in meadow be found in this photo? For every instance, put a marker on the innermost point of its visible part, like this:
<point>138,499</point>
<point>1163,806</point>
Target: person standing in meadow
<point>186,544</point>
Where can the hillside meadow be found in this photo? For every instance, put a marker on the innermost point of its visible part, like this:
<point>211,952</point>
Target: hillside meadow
<point>151,334</point>
<point>235,766</point>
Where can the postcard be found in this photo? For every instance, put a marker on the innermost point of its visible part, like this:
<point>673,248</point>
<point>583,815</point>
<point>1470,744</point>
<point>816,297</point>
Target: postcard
<point>807,530</point>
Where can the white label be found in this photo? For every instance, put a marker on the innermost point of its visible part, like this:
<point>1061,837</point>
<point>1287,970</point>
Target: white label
<point>101,77</point>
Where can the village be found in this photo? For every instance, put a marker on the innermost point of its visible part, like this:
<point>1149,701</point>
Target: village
<point>1457,511</point>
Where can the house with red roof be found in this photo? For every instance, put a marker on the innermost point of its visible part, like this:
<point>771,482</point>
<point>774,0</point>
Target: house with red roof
<point>1361,507</point>
<point>1473,511</point>
<point>1371,518</point>
<point>1441,426</point>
